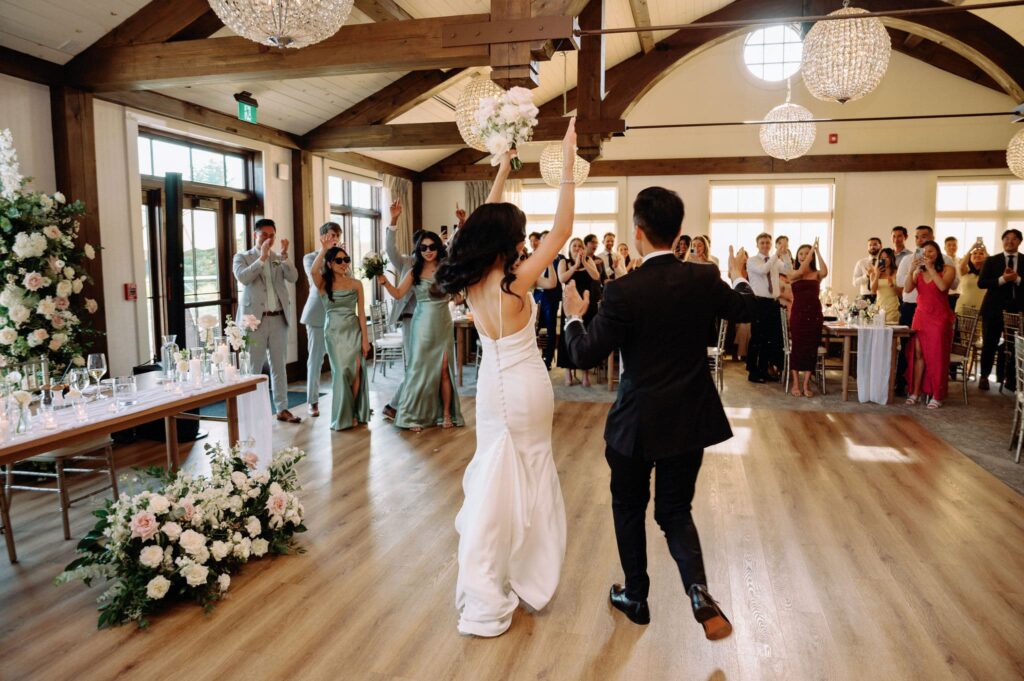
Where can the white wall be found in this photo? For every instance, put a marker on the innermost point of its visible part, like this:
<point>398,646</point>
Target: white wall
<point>25,109</point>
<point>439,199</point>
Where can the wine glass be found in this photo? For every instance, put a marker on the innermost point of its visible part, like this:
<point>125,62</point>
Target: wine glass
<point>78,379</point>
<point>97,366</point>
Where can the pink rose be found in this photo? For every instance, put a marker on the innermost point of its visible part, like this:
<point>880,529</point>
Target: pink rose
<point>277,504</point>
<point>57,321</point>
<point>144,525</point>
<point>61,303</point>
<point>33,281</point>
<point>250,459</point>
<point>189,508</point>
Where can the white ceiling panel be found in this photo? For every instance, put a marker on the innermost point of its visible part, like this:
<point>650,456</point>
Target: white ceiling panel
<point>57,30</point>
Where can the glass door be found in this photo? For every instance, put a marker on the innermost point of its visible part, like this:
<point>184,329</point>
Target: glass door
<point>207,271</point>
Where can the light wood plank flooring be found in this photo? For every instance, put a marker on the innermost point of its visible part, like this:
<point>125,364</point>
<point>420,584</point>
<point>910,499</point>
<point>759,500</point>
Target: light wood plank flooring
<point>842,546</point>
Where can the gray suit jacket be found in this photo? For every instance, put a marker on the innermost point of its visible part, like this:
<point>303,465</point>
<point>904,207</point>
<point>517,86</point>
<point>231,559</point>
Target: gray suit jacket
<point>402,263</point>
<point>313,313</point>
<point>248,271</point>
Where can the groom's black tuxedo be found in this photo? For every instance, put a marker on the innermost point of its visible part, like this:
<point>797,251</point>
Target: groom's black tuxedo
<point>658,317</point>
<point>667,410</point>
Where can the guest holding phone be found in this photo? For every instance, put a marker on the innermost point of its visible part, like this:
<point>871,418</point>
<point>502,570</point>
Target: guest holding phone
<point>582,269</point>
<point>928,351</point>
<point>882,284</point>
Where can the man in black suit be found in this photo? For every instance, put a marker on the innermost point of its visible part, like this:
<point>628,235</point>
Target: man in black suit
<point>667,410</point>
<point>1000,275</point>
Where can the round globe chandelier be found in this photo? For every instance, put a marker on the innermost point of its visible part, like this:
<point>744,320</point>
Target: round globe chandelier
<point>283,23</point>
<point>467,106</point>
<point>551,166</point>
<point>1015,155</point>
<point>845,59</point>
<point>788,135</point>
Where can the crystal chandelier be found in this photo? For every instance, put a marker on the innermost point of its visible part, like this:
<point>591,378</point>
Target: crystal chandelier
<point>551,166</point>
<point>787,141</point>
<point>283,23</point>
<point>465,110</point>
<point>845,59</point>
<point>1015,155</point>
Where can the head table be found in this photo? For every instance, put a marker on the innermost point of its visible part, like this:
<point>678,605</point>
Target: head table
<point>877,352</point>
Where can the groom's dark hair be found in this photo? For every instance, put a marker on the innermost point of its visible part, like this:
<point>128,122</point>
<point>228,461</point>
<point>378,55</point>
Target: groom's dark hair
<point>658,212</point>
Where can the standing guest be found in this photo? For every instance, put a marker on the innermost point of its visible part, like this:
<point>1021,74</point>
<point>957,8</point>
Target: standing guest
<point>928,353</point>
<point>628,261</point>
<point>426,396</point>
<point>345,331</point>
<point>1000,278</point>
<point>700,251</point>
<point>610,259</point>
<point>534,241</point>
<point>766,330</point>
<point>883,285</point>
<point>862,270</point>
<point>590,249</point>
<point>899,240</point>
<point>548,296</point>
<point>402,309</point>
<point>782,248</point>
<point>951,245</point>
<point>263,275</point>
<point>313,317</point>
<point>806,318</point>
<point>582,269</point>
<point>972,295</point>
<point>682,246</point>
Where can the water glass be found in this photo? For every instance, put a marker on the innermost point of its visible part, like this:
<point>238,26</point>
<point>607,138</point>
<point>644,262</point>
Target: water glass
<point>125,391</point>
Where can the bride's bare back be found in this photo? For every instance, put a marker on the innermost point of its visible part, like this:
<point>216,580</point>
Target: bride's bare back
<point>497,314</point>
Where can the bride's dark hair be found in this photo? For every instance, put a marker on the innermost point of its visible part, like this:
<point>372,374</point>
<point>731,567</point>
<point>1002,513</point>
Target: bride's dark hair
<point>493,231</point>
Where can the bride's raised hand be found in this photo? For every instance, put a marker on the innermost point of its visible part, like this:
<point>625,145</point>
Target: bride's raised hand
<point>569,148</point>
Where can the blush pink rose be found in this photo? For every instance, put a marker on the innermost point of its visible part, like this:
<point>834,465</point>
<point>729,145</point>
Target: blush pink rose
<point>250,459</point>
<point>277,504</point>
<point>61,303</point>
<point>144,525</point>
<point>33,281</point>
<point>57,322</point>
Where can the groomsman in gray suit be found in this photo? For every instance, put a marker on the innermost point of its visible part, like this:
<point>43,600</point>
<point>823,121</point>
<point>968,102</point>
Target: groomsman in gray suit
<point>313,317</point>
<point>401,310</point>
<point>263,274</point>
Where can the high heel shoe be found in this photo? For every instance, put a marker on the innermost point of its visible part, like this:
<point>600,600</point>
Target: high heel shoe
<point>913,399</point>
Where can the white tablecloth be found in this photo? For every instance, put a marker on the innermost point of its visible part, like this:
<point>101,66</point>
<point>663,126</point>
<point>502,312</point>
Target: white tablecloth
<point>874,357</point>
<point>255,422</point>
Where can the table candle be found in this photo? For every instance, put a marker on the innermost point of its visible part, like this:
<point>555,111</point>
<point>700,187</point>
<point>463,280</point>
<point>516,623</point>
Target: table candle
<point>49,420</point>
<point>80,412</point>
<point>231,373</point>
<point>195,370</point>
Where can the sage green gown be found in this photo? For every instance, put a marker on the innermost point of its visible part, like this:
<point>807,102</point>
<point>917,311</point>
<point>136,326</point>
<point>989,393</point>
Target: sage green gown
<point>431,336</point>
<point>344,339</point>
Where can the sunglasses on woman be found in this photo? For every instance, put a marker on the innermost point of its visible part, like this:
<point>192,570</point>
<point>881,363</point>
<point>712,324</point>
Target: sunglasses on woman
<point>427,247</point>
<point>343,261</point>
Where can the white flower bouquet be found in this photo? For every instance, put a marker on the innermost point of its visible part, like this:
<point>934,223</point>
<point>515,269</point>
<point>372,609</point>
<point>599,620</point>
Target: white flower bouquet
<point>41,271</point>
<point>238,332</point>
<point>373,265</point>
<point>505,121</point>
<point>184,538</point>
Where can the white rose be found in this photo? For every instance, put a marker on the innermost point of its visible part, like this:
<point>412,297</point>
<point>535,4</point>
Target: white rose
<point>78,361</point>
<point>220,550</point>
<point>157,587</point>
<point>69,272</point>
<point>77,285</point>
<point>52,232</point>
<point>8,336</point>
<point>46,307</point>
<point>275,488</point>
<point>520,95</point>
<point>64,288</point>
<point>195,575</point>
<point>45,201</point>
<point>202,555</point>
<point>10,296</point>
<point>260,547</point>
<point>90,252</point>
<point>152,556</point>
<point>158,503</point>
<point>239,479</point>
<point>252,526</point>
<point>496,144</point>
<point>19,314</point>
<point>192,541</point>
<point>56,343</point>
<point>91,306</point>
<point>59,197</point>
<point>224,581</point>
<point>509,113</point>
<point>243,548</point>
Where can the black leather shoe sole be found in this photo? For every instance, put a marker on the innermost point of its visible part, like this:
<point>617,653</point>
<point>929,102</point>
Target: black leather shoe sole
<point>636,611</point>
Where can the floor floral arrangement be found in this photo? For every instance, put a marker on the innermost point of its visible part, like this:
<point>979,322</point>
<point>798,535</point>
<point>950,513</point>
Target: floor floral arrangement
<point>183,538</point>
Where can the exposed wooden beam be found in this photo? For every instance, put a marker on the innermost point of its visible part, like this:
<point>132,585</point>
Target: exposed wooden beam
<point>832,163</point>
<point>361,161</point>
<point>27,67</point>
<point>641,18</point>
<point>938,56</point>
<point>203,27</point>
<point>570,8</point>
<point>590,80</point>
<point>383,10</point>
<point>911,40</point>
<point>432,135</point>
<point>512,64</point>
<point>157,22</point>
<point>359,48</point>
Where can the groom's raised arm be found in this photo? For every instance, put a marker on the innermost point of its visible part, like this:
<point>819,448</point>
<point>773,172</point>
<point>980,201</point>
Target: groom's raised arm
<point>590,347</point>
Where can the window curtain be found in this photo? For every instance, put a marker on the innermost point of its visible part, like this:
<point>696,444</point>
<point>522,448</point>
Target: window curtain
<point>401,189</point>
<point>476,194</point>
<point>513,192</point>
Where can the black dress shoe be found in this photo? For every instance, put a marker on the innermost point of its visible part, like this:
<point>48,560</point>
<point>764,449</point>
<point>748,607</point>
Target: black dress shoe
<point>772,378</point>
<point>983,383</point>
<point>389,412</point>
<point>706,611</point>
<point>636,611</point>
<point>754,378</point>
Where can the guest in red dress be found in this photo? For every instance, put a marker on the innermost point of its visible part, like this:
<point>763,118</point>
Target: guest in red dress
<point>928,354</point>
<point>805,318</point>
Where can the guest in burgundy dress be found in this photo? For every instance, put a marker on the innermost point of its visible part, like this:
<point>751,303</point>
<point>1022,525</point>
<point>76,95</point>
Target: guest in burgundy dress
<point>806,318</point>
<point>928,354</point>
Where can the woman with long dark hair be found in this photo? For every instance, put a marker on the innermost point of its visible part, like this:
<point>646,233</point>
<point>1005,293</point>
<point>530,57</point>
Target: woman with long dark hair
<point>344,334</point>
<point>427,396</point>
<point>806,318</point>
<point>512,523</point>
<point>928,351</point>
<point>882,278</point>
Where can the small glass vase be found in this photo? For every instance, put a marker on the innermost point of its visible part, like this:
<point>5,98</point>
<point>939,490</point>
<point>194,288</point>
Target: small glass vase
<point>167,351</point>
<point>244,363</point>
<point>22,419</point>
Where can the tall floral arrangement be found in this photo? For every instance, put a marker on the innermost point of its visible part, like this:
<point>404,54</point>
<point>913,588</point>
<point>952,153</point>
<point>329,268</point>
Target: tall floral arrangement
<point>42,305</point>
<point>505,121</point>
<point>185,537</point>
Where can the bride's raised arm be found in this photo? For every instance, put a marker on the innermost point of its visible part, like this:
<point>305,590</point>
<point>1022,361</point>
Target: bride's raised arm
<point>498,188</point>
<point>530,269</point>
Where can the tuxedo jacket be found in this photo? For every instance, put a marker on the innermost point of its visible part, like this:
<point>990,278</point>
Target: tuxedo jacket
<point>999,298</point>
<point>657,316</point>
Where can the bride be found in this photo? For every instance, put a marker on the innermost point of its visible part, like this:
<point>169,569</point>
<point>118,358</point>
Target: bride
<point>512,523</point>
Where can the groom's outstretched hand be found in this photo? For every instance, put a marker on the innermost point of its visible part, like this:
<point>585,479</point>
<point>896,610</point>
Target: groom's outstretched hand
<point>572,304</point>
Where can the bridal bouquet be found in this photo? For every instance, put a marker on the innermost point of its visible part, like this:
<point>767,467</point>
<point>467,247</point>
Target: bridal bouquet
<point>505,121</point>
<point>238,333</point>
<point>373,265</point>
<point>184,538</point>
<point>41,271</point>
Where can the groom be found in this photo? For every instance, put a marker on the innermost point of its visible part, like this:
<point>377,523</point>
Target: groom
<point>667,410</point>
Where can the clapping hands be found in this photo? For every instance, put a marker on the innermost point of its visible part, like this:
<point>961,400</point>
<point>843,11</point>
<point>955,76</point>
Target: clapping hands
<point>572,304</point>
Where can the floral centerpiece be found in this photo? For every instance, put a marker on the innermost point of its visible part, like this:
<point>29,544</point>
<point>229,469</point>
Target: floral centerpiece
<point>207,324</point>
<point>185,537</point>
<point>238,332</point>
<point>505,121</point>
<point>41,271</point>
<point>373,265</point>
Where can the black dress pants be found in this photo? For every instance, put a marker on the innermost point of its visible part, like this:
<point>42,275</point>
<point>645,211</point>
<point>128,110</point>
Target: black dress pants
<point>991,335</point>
<point>674,481</point>
<point>765,347</point>
<point>907,311</point>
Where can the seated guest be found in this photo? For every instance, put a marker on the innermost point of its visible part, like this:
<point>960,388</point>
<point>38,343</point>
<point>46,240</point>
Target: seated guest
<point>883,287</point>
<point>682,246</point>
<point>806,318</point>
<point>1000,278</point>
<point>971,295</point>
<point>862,270</point>
<point>928,351</point>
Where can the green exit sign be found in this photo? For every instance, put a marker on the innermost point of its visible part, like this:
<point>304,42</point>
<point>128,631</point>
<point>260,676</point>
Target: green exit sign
<point>246,112</point>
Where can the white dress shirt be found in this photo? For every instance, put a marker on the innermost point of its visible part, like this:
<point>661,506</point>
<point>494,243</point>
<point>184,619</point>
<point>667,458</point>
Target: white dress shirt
<point>904,271</point>
<point>762,269</point>
<point>860,274</point>
<point>1016,266</point>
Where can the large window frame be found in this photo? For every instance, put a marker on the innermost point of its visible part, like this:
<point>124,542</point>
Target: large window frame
<point>357,219</point>
<point>607,217</point>
<point>991,204</point>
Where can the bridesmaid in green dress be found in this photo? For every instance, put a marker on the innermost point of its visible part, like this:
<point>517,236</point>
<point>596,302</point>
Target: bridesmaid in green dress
<point>345,336</point>
<point>427,396</point>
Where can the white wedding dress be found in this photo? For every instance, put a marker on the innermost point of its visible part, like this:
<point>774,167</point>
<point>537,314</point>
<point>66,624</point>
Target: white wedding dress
<point>512,523</point>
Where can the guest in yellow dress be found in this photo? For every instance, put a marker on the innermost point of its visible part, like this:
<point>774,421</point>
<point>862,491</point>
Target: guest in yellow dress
<point>883,284</point>
<point>970,268</point>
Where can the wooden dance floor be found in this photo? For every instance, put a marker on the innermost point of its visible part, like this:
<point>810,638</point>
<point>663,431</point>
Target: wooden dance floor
<point>842,546</point>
